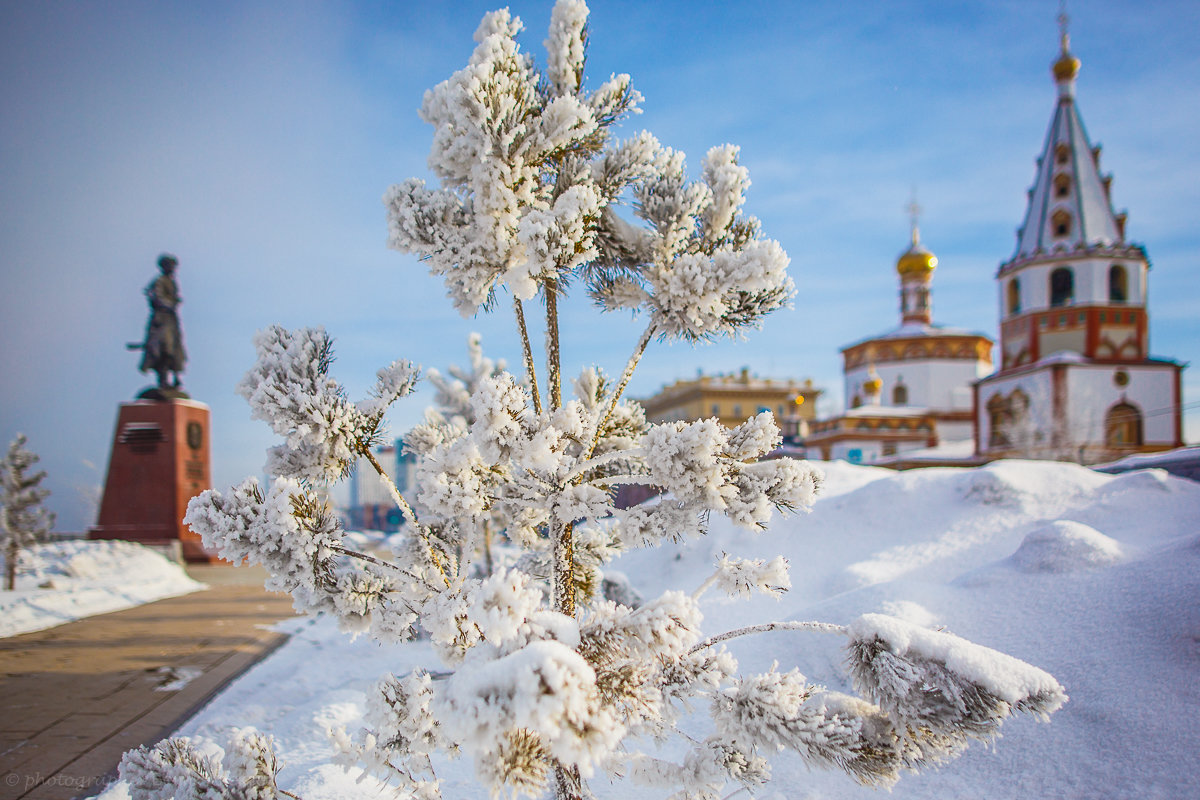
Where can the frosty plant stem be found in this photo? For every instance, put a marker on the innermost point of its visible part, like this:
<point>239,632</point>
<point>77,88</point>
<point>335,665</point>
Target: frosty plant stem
<point>622,384</point>
<point>527,354</point>
<point>553,354</point>
<point>398,498</point>
<point>554,671</point>
<point>819,627</point>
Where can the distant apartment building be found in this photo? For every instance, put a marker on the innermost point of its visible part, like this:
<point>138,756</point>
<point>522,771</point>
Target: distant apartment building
<point>370,505</point>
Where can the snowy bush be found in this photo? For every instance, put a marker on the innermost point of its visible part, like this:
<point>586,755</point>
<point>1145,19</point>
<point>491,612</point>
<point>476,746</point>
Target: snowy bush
<point>548,681</point>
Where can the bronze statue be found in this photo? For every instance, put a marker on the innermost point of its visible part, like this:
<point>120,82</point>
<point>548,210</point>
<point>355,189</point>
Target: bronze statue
<point>162,350</point>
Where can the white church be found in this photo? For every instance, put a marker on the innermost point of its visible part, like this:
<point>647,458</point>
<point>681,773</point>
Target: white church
<point>908,390</point>
<point>1075,380</point>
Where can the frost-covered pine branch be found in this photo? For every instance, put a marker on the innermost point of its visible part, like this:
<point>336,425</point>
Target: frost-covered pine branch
<point>24,521</point>
<point>553,671</point>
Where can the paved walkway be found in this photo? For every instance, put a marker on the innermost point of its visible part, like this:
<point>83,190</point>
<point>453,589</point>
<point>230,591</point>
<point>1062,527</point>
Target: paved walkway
<point>74,698</point>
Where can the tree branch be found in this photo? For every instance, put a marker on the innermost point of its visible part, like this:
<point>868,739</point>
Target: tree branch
<point>405,508</point>
<point>409,514</point>
<point>527,353</point>
<point>553,356</point>
<point>819,627</point>
<point>626,375</point>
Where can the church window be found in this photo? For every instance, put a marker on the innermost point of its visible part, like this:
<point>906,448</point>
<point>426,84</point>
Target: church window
<point>1060,223</point>
<point>1062,185</point>
<point>856,402</point>
<point>1014,296</point>
<point>1062,286</point>
<point>889,448</point>
<point>900,395</point>
<point>1118,284</point>
<point>1062,154</point>
<point>1123,426</point>
<point>716,409</point>
<point>1102,315</point>
<point>737,409</point>
<point>998,418</point>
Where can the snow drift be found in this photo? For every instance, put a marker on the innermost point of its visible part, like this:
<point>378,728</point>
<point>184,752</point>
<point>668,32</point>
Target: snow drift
<point>1092,578</point>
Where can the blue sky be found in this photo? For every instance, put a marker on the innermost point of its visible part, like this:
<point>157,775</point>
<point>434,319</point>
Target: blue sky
<point>255,139</point>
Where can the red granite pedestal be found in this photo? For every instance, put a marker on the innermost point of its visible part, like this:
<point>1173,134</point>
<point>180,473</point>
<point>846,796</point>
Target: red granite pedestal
<point>160,460</point>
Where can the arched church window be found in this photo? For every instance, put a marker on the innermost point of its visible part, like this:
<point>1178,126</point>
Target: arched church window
<point>999,420</point>
<point>1060,223</point>
<point>1123,426</point>
<point>1014,296</point>
<point>856,402</point>
<point>1062,154</point>
<point>1062,185</point>
<point>1062,286</point>
<point>1118,284</point>
<point>900,395</point>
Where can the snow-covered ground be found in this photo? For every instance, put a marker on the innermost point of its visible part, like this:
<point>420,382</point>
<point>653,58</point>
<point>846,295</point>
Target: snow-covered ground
<point>1092,577</point>
<point>64,581</point>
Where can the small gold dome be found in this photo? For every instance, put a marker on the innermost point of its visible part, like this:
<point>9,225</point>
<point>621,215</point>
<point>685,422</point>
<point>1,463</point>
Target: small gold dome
<point>873,384</point>
<point>1067,67</point>
<point>916,260</point>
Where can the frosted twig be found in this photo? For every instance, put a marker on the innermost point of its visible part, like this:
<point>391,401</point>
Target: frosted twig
<point>819,627</point>
<point>527,353</point>
<point>626,375</point>
<point>553,356</point>
<point>346,551</point>
<point>405,508</point>
<point>599,461</point>
<point>408,512</point>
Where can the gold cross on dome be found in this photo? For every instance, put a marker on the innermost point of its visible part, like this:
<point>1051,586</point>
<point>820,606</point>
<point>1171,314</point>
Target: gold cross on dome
<point>914,214</point>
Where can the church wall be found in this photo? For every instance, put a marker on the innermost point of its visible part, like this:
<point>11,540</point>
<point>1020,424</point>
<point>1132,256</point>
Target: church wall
<point>931,384</point>
<point>1092,390</point>
<point>1090,283</point>
<point>950,431</point>
<point>870,451</point>
<point>1035,430</point>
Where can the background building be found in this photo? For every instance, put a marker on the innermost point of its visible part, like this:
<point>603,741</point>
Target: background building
<point>735,398</point>
<point>1076,380</point>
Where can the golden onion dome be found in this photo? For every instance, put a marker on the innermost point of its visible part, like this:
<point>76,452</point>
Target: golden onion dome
<point>916,260</point>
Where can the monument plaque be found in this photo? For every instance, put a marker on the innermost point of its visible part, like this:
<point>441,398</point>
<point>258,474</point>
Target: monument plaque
<point>160,452</point>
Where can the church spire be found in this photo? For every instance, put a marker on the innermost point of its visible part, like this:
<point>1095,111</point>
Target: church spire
<point>1069,206</point>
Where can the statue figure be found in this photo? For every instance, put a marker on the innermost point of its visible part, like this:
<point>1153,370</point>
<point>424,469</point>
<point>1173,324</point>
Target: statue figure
<point>162,351</point>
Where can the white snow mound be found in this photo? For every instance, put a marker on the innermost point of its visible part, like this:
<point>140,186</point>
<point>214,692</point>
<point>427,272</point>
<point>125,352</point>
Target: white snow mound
<point>64,581</point>
<point>1066,546</point>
